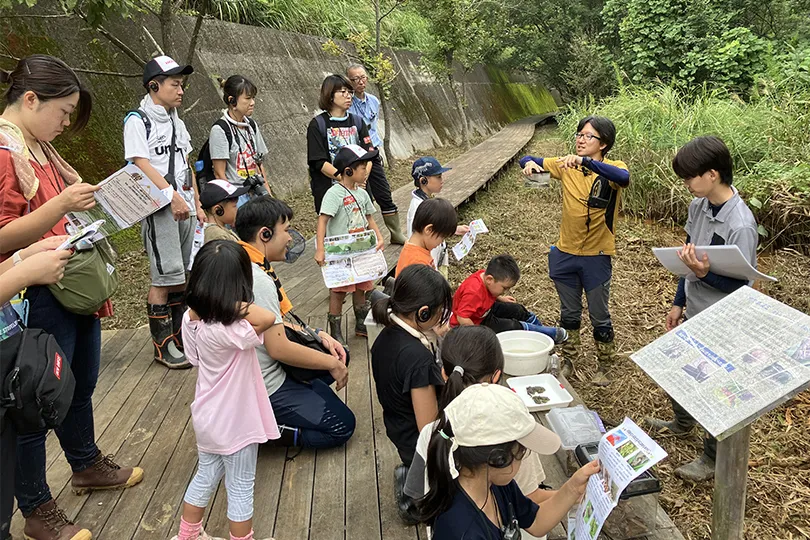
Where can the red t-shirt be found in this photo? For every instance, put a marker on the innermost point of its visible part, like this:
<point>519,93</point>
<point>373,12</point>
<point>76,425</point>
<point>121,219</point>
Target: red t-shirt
<point>472,300</point>
<point>12,203</point>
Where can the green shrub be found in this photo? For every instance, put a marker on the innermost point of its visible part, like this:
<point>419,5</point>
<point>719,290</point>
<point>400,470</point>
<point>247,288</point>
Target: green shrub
<point>767,136</point>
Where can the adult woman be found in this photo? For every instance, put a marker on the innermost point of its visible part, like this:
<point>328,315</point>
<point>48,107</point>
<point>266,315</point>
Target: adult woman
<point>330,131</point>
<point>236,143</point>
<point>37,189</point>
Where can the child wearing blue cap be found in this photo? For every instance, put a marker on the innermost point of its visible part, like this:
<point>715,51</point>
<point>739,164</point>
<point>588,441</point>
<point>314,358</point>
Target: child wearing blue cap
<point>427,178</point>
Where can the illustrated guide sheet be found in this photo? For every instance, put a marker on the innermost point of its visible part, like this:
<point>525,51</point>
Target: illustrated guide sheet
<point>352,258</point>
<point>733,362</point>
<point>725,260</point>
<point>124,198</point>
<point>461,249</point>
<point>625,453</point>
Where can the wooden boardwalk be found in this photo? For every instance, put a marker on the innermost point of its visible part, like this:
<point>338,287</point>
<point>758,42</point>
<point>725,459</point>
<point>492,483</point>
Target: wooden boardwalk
<point>142,416</point>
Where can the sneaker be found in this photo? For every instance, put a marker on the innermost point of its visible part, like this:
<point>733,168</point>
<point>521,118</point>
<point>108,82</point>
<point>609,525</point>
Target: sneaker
<point>670,427</point>
<point>49,522</point>
<point>561,336</point>
<point>104,473</point>
<point>699,470</point>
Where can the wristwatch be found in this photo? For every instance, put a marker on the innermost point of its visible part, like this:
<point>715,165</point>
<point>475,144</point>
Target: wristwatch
<point>17,258</point>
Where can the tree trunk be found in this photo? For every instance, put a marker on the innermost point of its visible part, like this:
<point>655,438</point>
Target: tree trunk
<point>465,125</point>
<point>377,26</point>
<point>192,46</point>
<point>448,63</point>
<point>166,18</point>
<point>389,155</point>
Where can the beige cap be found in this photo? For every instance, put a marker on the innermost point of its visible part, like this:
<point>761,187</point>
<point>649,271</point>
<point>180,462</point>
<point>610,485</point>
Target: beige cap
<point>487,414</point>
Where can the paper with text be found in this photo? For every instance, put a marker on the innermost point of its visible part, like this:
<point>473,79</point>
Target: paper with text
<point>723,260</point>
<point>352,258</point>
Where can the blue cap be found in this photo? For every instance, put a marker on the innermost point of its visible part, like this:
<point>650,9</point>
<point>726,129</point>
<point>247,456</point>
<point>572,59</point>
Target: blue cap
<point>427,166</point>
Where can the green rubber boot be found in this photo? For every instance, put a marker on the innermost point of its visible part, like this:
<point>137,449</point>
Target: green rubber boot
<point>606,354</point>
<point>392,222</point>
<point>335,323</point>
<point>570,354</point>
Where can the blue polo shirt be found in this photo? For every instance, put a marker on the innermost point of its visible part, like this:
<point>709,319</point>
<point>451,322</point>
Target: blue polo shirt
<point>369,110</point>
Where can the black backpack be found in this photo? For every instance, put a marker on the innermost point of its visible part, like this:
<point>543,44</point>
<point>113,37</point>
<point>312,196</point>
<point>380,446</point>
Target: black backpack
<point>357,121</point>
<point>206,172</point>
<point>37,382</point>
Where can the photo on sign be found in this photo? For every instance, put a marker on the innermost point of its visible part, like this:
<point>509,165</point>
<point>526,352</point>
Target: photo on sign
<point>674,350</point>
<point>732,394</point>
<point>627,449</point>
<point>776,374</point>
<point>700,369</point>
<point>802,353</point>
<point>637,461</point>
<point>756,356</point>
<point>616,438</point>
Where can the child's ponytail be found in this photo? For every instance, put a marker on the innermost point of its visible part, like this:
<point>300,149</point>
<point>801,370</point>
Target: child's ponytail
<point>441,484</point>
<point>379,311</point>
<point>470,355</point>
<point>417,286</point>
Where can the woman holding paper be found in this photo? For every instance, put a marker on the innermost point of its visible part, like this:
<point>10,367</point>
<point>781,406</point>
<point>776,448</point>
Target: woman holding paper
<point>37,189</point>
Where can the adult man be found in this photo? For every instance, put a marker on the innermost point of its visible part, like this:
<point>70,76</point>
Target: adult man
<point>367,106</point>
<point>156,140</point>
<point>308,414</point>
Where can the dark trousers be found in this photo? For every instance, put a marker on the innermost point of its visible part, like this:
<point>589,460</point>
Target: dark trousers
<point>378,187</point>
<point>79,336</point>
<point>598,311</point>
<point>319,189</point>
<point>505,316</point>
<point>324,420</point>
<point>8,453</point>
<point>686,421</point>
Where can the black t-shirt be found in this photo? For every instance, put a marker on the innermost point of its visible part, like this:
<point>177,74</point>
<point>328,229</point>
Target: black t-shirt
<point>339,133</point>
<point>465,521</point>
<point>399,363</point>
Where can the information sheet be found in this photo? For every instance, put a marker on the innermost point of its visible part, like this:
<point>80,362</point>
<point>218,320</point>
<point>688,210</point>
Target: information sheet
<point>725,260</point>
<point>625,453</point>
<point>733,362</point>
<point>124,198</point>
<point>352,258</point>
<point>461,249</point>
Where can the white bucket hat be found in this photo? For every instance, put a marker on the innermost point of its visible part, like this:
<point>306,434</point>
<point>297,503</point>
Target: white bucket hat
<point>488,414</point>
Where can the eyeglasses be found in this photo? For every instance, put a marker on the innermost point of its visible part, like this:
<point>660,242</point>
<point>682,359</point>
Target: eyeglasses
<point>344,92</point>
<point>587,136</point>
<point>358,79</point>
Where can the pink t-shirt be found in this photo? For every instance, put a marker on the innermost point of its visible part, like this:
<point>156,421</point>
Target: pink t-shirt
<point>231,409</point>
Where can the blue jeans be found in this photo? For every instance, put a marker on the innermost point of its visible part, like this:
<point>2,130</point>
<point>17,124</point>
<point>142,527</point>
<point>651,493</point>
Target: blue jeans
<point>505,316</point>
<point>79,336</point>
<point>324,420</point>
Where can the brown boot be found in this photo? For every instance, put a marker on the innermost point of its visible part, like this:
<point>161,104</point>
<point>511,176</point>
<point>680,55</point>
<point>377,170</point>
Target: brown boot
<point>104,473</point>
<point>49,522</point>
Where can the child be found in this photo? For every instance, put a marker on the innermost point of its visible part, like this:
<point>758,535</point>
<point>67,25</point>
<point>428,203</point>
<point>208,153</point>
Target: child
<point>403,359</point>
<point>471,355</point>
<point>230,413</point>
<point>435,220</point>
<point>717,216</point>
<point>480,300</point>
<point>347,208</point>
<point>157,142</point>
<point>487,430</point>
<point>427,177</point>
<point>219,199</point>
<point>581,260</point>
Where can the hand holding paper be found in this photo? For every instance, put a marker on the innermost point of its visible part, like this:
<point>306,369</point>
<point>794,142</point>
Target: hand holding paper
<point>723,260</point>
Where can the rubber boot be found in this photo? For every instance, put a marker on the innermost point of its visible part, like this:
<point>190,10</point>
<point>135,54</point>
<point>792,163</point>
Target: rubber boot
<point>177,303</point>
<point>606,354</point>
<point>570,354</point>
<point>672,427</point>
<point>699,470</point>
<point>392,222</point>
<point>335,330</point>
<point>160,325</point>
<point>360,313</point>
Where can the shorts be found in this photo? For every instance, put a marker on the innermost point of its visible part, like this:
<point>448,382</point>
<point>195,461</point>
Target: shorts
<point>168,245</point>
<point>365,286</point>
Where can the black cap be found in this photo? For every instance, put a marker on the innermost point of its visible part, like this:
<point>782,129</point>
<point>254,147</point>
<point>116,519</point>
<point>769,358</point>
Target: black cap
<point>216,191</point>
<point>351,154</point>
<point>163,65</point>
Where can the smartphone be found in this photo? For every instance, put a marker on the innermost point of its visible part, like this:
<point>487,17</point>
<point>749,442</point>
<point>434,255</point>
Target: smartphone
<point>84,234</point>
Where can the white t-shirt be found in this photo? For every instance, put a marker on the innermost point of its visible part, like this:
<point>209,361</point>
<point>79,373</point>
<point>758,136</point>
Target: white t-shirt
<point>439,253</point>
<point>157,151</point>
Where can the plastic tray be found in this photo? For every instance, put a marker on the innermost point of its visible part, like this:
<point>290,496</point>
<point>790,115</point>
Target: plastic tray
<point>557,394</point>
<point>575,426</point>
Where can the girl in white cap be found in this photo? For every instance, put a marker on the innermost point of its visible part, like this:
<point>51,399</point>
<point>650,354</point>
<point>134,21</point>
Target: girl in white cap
<point>474,453</point>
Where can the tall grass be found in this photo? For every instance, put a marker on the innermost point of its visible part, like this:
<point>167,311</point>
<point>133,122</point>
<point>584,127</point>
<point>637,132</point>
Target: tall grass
<point>768,136</point>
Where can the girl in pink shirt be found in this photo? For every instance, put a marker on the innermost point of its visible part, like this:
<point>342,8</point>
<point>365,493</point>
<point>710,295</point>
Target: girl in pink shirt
<point>231,413</point>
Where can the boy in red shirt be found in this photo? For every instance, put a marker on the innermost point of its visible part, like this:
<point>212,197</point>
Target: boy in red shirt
<point>481,300</point>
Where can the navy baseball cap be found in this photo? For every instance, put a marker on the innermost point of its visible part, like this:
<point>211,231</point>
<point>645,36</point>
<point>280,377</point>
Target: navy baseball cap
<point>427,166</point>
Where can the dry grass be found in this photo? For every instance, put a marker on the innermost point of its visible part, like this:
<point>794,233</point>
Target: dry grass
<point>525,223</point>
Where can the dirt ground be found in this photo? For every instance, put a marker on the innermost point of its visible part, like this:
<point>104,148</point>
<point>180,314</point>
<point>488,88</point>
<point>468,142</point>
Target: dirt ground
<point>525,222</point>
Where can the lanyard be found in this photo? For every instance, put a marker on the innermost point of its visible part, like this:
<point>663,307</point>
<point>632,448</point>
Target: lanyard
<point>53,175</point>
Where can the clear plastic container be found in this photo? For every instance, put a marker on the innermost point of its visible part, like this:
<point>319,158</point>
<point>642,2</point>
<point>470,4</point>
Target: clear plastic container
<point>574,425</point>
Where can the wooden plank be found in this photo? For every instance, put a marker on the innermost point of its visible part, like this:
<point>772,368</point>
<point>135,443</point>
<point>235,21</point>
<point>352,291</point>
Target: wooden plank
<point>112,346</point>
<point>362,486</point>
<point>158,448</point>
<point>728,514</point>
<point>295,501</point>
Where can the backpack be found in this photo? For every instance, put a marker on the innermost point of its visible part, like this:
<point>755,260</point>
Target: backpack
<point>146,122</point>
<point>204,165</point>
<point>36,382</point>
<point>357,121</point>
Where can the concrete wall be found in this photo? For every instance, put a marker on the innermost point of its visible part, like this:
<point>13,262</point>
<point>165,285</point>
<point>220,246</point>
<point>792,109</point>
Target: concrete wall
<point>288,69</point>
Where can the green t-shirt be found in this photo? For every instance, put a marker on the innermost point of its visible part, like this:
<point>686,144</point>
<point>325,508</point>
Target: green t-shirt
<point>347,208</point>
